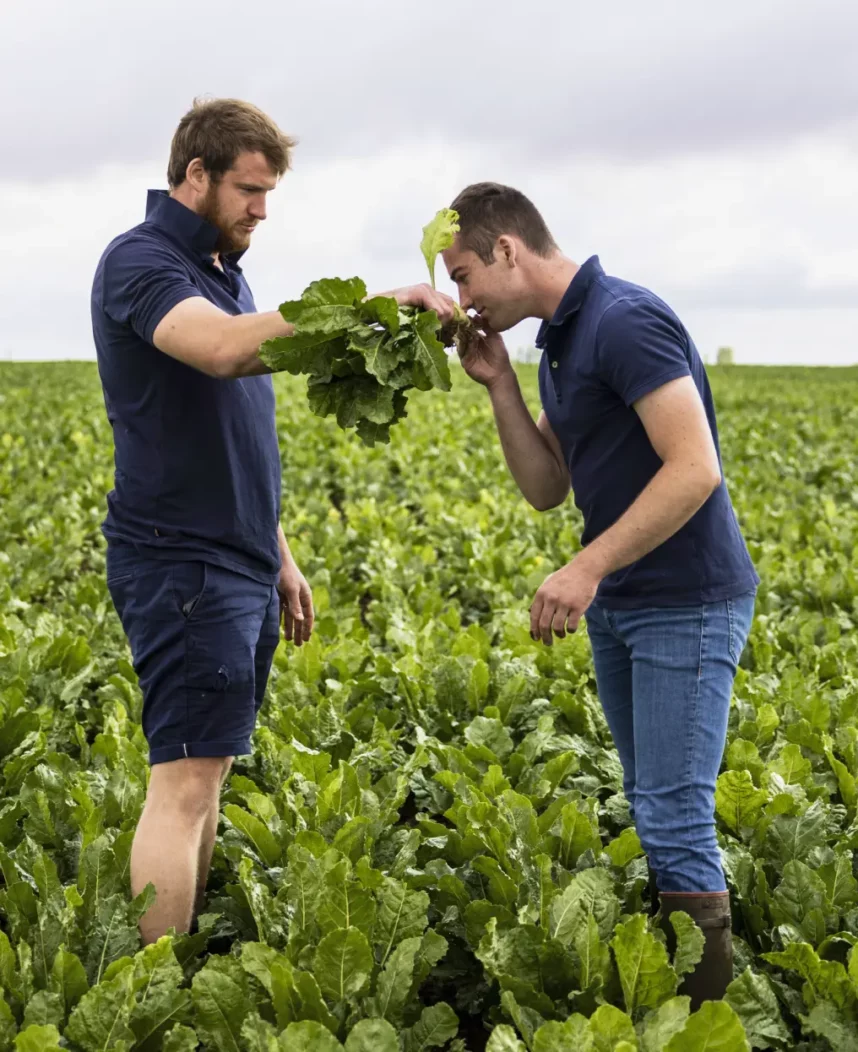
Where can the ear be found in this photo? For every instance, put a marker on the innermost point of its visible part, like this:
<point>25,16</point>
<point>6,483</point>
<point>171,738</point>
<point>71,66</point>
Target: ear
<point>196,176</point>
<point>506,250</point>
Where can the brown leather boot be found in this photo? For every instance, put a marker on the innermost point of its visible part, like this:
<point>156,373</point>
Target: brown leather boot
<point>711,912</point>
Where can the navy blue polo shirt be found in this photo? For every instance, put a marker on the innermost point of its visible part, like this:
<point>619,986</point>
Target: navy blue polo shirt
<point>609,343</point>
<point>197,463</point>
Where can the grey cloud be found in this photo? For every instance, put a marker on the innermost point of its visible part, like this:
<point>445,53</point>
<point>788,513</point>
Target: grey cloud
<point>96,82</point>
<point>781,284</point>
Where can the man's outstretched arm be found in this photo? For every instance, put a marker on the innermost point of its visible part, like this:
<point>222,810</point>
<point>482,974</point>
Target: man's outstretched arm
<point>224,345</point>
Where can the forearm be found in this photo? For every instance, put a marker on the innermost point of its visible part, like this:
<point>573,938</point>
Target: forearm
<point>541,477</point>
<point>671,498</point>
<point>283,545</point>
<point>243,334</point>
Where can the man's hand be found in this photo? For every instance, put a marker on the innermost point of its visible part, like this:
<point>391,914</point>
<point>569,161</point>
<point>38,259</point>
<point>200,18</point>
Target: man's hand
<point>426,298</point>
<point>562,600</point>
<point>486,359</point>
<point>296,603</point>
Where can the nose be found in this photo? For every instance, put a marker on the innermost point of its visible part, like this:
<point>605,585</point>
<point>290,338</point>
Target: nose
<point>465,301</point>
<point>257,208</point>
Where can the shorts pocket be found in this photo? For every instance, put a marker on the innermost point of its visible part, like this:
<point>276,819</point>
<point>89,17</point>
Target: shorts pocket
<point>123,564</point>
<point>223,617</point>
<point>190,581</point>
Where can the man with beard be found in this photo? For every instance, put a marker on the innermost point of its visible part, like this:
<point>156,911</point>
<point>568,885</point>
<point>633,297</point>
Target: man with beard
<point>198,566</point>
<point>664,577</point>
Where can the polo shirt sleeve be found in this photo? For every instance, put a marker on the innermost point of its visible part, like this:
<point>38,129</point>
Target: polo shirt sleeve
<point>640,346</point>
<point>142,283</point>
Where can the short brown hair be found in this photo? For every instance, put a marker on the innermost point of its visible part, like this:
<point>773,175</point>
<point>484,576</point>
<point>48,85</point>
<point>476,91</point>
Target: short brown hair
<point>488,210</point>
<point>217,131</point>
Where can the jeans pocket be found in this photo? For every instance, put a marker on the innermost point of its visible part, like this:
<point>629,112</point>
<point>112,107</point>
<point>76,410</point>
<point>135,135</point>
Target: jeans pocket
<point>189,586</point>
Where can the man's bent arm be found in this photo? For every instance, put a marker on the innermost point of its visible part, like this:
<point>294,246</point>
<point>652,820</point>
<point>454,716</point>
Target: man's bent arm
<point>531,449</point>
<point>675,421</point>
<point>219,344</point>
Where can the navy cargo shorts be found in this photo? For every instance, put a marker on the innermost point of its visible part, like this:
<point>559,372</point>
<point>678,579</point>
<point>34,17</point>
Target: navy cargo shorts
<point>202,642</point>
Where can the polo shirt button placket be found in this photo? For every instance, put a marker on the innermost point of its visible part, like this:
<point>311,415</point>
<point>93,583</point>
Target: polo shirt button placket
<point>555,379</point>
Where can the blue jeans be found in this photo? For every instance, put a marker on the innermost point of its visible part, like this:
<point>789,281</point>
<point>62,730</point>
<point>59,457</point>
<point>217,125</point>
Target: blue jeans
<point>665,678</point>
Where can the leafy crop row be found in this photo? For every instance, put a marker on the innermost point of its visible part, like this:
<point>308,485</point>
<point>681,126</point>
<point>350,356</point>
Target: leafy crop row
<point>429,848</point>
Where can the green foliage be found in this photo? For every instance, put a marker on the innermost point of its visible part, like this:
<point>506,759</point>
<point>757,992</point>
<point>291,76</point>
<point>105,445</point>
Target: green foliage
<point>361,356</point>
<point>429,847</point>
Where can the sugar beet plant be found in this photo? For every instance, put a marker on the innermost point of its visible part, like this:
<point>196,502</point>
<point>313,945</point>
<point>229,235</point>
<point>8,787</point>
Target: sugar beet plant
<point>429,848</point>
<point>362,356</point>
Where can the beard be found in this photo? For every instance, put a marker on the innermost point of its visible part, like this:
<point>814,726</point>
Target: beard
<point>232,237</point>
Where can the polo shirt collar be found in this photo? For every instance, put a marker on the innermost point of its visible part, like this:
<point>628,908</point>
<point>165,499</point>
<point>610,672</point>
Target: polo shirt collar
<point>573,297</point>
<point>185,225</point>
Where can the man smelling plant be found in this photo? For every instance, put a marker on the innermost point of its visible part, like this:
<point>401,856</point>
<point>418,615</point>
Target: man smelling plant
<point>198,567</point>
<point>664,576</point>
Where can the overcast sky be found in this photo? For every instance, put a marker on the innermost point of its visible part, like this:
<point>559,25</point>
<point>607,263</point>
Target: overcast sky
<point>707,151</point>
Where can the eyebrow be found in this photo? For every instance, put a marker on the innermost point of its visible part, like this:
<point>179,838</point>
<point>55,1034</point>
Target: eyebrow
<point>254,187</point>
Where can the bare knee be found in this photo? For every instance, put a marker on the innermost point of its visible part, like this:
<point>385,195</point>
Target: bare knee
<point>189,788</point>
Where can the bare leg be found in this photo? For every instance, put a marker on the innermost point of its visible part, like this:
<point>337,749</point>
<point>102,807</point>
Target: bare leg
<point>166,851</point>
<point>207,844</point>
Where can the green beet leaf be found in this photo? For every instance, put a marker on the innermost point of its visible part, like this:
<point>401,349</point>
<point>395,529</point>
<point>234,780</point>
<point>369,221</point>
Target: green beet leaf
<point>38,1039</point>
<point>645,972</point>
<point>625,848</point>
<point>45,1009</point>
<point>394,982</point>
<point>738,801</point>
<point>438,235</point>
<point>343,963</point>
<point>312,1003</point>
<point>435,1027</point>
<point>503,1039</point>
<point>401,915</point>
<point>689,943</point>
<point>590,893</point>
<point>102,1017</point>
<point>258,1035</point>
<point>661,1025</point>
<point>161,1003</point>
<point>221,1003</point>
<point>715,1027</point>
<point>573,1035</point>
<point>429,352</point>
<point>8,1026</point>
<point>345,904</point>
<point>372,1035</point>
<point>593,954</point>
<point>68,978</point>
<point>753,1000</point>
<point>308,1036</point>
<point>838,1026</point>
<point>181,1039</point>
<point>610,1028</point>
